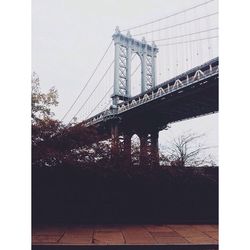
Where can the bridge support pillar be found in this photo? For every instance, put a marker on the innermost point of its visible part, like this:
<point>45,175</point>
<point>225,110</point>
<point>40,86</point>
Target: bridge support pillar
<point>127,149</point>
<point>143,149</point>
<point>114,142</point>
<point>121,147</point>
<point>155,147</point>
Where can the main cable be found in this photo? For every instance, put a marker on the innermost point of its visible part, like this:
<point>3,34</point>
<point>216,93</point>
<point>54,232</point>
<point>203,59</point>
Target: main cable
<point>77,98</point>
<point>175,25</point>
<point>99,102</point>
<point>93,91</point>
<point>137,67</point>
<point>190,34</point>
<point>108,104</point>
<point>109,91</point>
<point>196,40</point>
<point>160,19</point>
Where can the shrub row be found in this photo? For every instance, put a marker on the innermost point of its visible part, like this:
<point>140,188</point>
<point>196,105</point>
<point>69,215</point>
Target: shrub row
<point>136,195</point>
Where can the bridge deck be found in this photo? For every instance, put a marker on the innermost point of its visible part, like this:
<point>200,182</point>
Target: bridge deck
<point>196,91</point>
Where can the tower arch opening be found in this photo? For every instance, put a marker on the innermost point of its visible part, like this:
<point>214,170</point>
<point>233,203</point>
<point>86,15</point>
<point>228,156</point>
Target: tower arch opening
<point>136,74</point>
<point>135,150</point>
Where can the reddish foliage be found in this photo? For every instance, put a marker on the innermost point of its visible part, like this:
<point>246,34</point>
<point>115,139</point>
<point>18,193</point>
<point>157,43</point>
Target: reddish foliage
<point>54,144</point>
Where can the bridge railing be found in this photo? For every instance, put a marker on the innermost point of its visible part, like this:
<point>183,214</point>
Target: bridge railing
<point>176,84</point>
<point>164,90</point>
<point>107,114</point>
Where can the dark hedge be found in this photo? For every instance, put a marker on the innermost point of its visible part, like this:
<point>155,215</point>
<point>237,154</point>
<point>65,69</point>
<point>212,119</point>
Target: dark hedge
<point>136,195</point>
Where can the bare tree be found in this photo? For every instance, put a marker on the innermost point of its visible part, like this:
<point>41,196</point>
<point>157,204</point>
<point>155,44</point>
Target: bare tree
<point>135,150</point>
<point>186,150</point>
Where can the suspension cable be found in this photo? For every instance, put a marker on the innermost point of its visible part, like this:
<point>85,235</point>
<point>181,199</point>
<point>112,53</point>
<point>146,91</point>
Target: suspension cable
<point>93,91</point>
<point>178,24</point>
<point>110,89</point>
<point>99,102</point>
<point>106,106</point>
<point>160,19</point>
<point>86,84</point>
<point>137,67</point>
<point>109,102</point>
<point>190,34</point>
<point>195,40</point>
<point>108,92</point>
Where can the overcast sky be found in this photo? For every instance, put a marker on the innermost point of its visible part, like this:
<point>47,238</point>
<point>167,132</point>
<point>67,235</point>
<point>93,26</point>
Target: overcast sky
<point>70,36</point>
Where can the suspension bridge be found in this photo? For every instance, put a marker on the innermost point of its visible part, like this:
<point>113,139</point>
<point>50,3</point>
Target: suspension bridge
<point>175,78</point>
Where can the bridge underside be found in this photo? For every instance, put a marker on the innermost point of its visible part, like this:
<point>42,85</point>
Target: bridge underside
<point>148,119</point>
<point>195,100</point>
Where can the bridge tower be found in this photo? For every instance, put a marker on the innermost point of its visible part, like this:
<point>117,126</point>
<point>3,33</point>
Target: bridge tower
<point>125,47</point>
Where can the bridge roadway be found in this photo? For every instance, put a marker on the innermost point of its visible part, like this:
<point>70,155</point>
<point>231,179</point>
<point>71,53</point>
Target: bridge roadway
<point>191,94</point>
